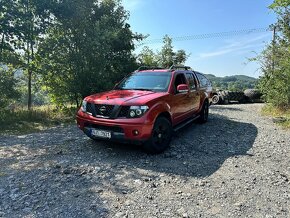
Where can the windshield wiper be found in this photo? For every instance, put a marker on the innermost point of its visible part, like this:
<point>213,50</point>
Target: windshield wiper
<point>141,89</point>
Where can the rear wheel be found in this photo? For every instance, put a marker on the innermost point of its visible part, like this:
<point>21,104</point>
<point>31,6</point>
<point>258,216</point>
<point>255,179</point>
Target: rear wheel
<point>203,115</point>
<point>160,136</point>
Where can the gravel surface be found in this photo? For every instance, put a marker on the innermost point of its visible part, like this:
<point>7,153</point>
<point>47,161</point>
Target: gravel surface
<point>236,165</point>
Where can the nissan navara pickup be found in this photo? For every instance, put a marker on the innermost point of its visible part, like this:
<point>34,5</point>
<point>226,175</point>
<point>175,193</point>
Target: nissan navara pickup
<point>147,106</point>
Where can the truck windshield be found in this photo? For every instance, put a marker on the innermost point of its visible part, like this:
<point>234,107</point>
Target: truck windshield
<point>155,81</point>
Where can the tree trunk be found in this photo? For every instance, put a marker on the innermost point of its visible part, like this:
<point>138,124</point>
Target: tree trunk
<point>77,100</point>
<point>29,89</point>
<point>2,47</point>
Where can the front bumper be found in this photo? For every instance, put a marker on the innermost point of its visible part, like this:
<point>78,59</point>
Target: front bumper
<point>122,130</point>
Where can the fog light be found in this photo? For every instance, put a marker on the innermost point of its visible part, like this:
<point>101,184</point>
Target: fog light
<point>135,132</point>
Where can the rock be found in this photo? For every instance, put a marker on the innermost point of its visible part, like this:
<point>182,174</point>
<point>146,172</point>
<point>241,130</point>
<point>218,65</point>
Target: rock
<point>66,171</point>
<point>181,211</point>
<point>27,209</point>
<point>120,214</point>
<point>185,215</point>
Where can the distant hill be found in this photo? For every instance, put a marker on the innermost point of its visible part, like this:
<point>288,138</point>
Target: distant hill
<point>233,83</point>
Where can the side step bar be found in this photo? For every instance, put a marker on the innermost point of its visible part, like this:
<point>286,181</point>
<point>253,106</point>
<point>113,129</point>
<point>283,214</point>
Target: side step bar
<point>183,124</point>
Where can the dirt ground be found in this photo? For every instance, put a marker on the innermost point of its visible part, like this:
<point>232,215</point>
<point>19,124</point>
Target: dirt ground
<point>236,165</point>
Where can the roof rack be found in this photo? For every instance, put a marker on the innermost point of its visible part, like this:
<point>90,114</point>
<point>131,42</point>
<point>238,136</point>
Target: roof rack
<point>148,68</point>
<point>179,67</point>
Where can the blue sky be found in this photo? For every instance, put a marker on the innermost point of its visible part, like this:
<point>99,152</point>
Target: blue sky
<point>219,56</point>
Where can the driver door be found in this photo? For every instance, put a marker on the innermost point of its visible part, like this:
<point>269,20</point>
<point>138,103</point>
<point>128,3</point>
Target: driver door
<point>180,104</point>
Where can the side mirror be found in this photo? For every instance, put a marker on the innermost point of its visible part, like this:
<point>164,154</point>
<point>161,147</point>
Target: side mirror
<point>182,88</point>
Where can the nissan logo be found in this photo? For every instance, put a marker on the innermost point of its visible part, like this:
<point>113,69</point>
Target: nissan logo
<point>102,109</point>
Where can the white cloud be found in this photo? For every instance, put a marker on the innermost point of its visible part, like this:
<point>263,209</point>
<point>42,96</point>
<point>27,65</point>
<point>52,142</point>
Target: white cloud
<point>234,46</point>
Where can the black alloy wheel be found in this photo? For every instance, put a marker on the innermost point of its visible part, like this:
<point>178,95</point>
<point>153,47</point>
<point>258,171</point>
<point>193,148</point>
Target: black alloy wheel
<point>204,113</point>
<point>160,137</point>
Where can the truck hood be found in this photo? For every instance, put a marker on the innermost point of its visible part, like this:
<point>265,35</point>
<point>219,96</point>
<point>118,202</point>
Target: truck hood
<point>124,97</point>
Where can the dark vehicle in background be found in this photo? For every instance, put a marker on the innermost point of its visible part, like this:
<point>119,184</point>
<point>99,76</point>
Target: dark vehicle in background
<point>147,106</point>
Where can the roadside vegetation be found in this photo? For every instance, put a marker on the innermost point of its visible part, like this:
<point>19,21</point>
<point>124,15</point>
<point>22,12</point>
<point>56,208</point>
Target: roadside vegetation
<point>23,121</point>
<point>280,116</point>
<point>275,65</point>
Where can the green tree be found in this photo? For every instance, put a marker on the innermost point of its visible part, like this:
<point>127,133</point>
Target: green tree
<point>165,58</point>
<point>166,55</point>
<point>180,57</point>
<point>8,41</point>
<point>87,49</point>
<point>275,60</point>
<point>147,57</point>
<point>22,25</point>
<point>8,84</point>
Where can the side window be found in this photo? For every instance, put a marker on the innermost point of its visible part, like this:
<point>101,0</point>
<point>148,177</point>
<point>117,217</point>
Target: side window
<point>179,79</point>
<point>191,81</point>
<point>204,82</point>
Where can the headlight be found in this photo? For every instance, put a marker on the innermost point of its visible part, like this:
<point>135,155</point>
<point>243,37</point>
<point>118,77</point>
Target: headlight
<point>137,111</point>
<point>84,106</point>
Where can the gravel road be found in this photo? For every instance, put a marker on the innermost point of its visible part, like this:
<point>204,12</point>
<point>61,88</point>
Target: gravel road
<point>236,165</point>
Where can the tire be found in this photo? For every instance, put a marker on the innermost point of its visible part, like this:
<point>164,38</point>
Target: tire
<point>215,99</point>
<point>233,96</point>
<point>203,114</point>
<point>253,95</point>
<point>160,137</point>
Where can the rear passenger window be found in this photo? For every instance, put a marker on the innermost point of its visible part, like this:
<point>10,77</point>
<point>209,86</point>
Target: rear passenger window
<point>204,82</point>
<point>191,81</point>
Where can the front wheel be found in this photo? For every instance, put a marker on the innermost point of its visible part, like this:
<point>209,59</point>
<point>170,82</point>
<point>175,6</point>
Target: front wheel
<point>203,115</point>
<point>160,137</point>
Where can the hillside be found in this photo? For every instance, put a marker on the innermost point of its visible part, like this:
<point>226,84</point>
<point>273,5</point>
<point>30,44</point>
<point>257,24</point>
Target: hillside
<point>233,83</point>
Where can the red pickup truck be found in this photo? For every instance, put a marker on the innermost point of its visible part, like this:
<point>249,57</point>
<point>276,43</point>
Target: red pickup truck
<point>147,106</point>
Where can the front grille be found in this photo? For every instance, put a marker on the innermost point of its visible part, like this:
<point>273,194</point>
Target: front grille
<point>104,110</point>
<point>124,111</point>
<point>100,109</point>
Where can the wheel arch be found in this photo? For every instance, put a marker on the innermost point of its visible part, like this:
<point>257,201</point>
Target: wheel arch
<point>165,114</point>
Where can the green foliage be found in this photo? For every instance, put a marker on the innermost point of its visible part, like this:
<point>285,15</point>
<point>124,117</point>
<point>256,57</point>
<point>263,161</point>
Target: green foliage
<point>281,117</point>
<point>21,121</point>
<point>147,57</point>
<point>280,5</point>
<point>8,83</point>
<point>87,50</point>
<point>22,25</point>
<point>165,58</point>
<point>233,83</point>
<point>275,60</point>
<point>166,55</point>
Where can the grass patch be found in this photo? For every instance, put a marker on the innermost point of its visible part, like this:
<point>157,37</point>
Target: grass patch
<point>22,121</point>
<point>280,117</point>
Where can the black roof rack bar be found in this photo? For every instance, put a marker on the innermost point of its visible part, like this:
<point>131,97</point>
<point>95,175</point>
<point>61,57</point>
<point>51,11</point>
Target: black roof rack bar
<point>148,68</point>
<point>177,67</point>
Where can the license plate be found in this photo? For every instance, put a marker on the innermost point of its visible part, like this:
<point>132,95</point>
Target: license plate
<point>101,133</point>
